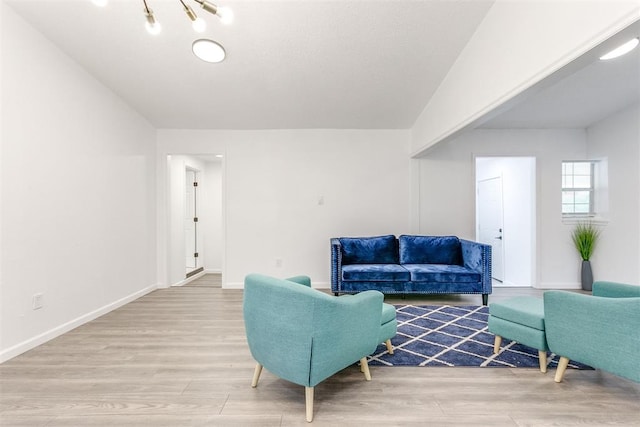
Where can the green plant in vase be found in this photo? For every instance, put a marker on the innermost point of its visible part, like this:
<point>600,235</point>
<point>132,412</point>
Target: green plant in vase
<point>585,236</point>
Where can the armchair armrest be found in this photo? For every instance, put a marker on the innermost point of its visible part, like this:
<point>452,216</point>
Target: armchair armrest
<point>615,290</point>
<point>301,280</point>
<point>345,329</point>
<point>601,332</point>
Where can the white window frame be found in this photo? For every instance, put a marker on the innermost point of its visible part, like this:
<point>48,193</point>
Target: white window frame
<point>569,187</point>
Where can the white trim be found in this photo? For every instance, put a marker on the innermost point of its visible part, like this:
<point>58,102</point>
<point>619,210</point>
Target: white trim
<point>233,285</point>
<point>213,271</point>
<point>189,279</point>
<point>557,285</point>
<point>31,343</point>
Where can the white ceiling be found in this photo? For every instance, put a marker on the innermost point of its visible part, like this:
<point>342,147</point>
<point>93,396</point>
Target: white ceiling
<point>290,64</point>
<point>340,64</point>
<point>579,100</point>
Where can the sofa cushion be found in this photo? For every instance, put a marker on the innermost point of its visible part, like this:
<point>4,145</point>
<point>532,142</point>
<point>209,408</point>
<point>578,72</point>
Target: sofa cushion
<point>441,273</point>
<point>375,273</point>
<point>430,250</point>
<point>369,250</point>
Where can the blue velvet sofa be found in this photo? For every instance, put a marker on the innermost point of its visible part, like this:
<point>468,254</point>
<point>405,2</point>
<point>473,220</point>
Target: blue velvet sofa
<point>410,264</point>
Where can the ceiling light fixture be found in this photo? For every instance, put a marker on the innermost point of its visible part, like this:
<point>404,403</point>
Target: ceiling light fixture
<point>208,50</point>
<point>152,26</point>
<point>224,13</point>
<point>100,3</point>
<point>621,50</point>
<point>199,25</point>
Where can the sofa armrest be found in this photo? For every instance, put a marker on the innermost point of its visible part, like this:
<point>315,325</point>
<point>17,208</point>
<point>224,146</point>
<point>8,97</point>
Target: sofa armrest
<point>615,290</point>
<point>336,265</point>
<point>598,331</point>
<point>477,257</point>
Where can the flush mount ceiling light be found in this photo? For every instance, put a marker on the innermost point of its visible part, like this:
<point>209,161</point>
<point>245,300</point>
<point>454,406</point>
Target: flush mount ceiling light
<point>621,50</point>
<point>208,50</point>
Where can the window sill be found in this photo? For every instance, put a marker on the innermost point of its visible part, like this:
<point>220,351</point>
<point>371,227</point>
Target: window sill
<point>576,219</point>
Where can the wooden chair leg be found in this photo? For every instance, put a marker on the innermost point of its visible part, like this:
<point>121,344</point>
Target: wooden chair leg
<point>364,367</point>
<point>389,346</point>
<point>562,366</point>
<point>542,355</point>
<point>256,375</point>
<point>496,344</point>
<point>308,398</point>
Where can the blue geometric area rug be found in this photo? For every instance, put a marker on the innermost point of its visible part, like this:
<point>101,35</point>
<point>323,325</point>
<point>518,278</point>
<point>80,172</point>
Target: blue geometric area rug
<point>445,335</point>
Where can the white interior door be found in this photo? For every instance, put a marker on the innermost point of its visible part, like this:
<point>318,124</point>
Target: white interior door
<point>490,222</point>
<point>190,222</point>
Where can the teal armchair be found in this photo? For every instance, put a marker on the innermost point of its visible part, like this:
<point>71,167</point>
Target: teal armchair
<point>305,336</point>
<point>601,330</point>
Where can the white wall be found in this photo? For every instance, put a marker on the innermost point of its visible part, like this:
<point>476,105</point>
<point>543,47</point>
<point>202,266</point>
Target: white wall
<point>78,185</point>
<point>211,202</point>
<point>519,223</point>
<point>617,138</point>
<point>447,185</point>
<point>519,43</point>
<point>287,192</point>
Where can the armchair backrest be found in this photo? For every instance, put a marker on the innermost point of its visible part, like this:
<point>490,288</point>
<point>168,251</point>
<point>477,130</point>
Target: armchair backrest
<point>304,335</point>
<point>599,330</point>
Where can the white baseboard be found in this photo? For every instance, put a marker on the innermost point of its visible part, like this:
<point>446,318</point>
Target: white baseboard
<point>27,345</point>
<point>557,285</point>
<point>189,279</point>
<point>240,285</point>
<point>213,271</point>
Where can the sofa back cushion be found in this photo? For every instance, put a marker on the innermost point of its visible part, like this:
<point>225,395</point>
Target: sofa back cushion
<point>369,250</point>
<point>430,250</point>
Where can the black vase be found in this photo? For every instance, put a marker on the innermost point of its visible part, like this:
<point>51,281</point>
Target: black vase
<point>586,275</point>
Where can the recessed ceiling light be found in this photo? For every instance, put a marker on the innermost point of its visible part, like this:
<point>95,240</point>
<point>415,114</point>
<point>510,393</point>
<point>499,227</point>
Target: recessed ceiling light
<point>621,50</point>
<point>100,3</point>
<point>219,156</point>
<point>208,50</point>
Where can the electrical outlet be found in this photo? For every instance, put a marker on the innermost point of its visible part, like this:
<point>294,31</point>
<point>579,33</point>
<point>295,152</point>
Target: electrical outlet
<point>278,262</point>
<point>37,301</point>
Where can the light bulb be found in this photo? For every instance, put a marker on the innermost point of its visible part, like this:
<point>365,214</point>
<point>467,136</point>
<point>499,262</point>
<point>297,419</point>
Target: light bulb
<point>225,14</point>
<point>199,25</point>
<point>154,28</point>
<point>100,3</point>
<point>621,50</point>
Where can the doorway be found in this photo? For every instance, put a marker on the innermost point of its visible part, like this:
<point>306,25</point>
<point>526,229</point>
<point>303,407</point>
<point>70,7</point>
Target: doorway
<point>195,241</point>
<point>506,216</point>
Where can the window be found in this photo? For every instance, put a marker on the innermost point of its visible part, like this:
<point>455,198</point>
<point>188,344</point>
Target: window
<point>577,188</point>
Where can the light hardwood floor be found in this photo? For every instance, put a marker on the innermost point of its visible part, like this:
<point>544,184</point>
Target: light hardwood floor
<point>178,357</point>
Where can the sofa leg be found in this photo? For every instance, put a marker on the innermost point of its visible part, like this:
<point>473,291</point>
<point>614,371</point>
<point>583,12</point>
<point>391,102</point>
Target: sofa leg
<point>336,294</point>
<point>562,366</point>
<point>485,299</point>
